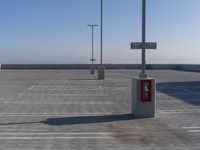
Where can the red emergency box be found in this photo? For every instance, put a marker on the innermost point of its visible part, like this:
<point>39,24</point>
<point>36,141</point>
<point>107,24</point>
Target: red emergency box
<point>146,90</point>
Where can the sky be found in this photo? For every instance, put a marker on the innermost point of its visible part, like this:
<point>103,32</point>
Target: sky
<point>56,31</point>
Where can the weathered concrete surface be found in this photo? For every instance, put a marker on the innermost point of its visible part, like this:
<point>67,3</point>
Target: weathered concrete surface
<point>59,110</point>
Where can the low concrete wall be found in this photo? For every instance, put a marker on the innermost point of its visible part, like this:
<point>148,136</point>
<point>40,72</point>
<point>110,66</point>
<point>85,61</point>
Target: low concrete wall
<point>43,66</point>
<point>195,68</point>
<point>163,67</point>
<point>122,66</point>
<point>184,67</point>
<point>65,66</point>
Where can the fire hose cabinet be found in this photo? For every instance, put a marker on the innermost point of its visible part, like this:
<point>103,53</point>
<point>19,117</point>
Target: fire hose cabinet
<point>144,97</point>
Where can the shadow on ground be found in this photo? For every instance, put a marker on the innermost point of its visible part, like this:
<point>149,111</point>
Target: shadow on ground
<point>79,120</point>
<point>88,119</point>
<point>186,91</point>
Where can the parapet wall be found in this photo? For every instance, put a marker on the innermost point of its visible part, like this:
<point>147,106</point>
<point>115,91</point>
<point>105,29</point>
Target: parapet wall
<point>184,67</point>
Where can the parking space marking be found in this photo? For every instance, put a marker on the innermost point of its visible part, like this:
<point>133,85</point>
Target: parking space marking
<point>62,103</point>
<point>30,136</point>
<point>82,94</point>
<point>192,129</point>
<point>52,138</point>
<point>72,88</point>
<point>58,114</point>
<point>31,88</point>
<point>180,111</point>
<point>171,100</point>
<point>178,93</point>
<point>86,133</point>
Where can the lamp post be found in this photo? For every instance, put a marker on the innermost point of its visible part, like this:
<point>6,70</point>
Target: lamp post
<point>92,71</point>
<point>143,74</point>
<point>101,32</point>
<point>101,68</point>
<point>143,88</point>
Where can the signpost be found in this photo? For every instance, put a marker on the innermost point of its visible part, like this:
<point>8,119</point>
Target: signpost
<point>143,87</point>
<point>92,71</point>
<point>143,45</point>
<point>101,68</point>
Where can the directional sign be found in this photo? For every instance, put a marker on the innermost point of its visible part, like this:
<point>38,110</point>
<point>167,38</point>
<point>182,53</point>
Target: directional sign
<point>149,45</point>
<point>136,45</point>
<point>92,59</point>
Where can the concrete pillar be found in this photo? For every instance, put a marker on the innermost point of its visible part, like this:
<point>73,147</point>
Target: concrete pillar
<point>92,69</point>
<point>101,72</point>
<point>144,97</point>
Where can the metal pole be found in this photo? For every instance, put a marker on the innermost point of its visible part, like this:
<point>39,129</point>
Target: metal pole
<point>92,67</point>
<point>92,45</point>
<point>143,74</point>
<point>101,32</point>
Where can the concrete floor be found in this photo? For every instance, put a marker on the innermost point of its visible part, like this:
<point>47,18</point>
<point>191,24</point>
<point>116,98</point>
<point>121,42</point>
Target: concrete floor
<point>61,110</point>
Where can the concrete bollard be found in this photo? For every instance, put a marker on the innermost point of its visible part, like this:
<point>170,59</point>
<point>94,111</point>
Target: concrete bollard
<point>92,69</point>
<point>144,97</point>
<point>101,72</point>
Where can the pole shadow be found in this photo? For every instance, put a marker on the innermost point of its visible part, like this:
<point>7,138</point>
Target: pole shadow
<point>185,91</point>
<point>88,119</point>
<point>78,120</point>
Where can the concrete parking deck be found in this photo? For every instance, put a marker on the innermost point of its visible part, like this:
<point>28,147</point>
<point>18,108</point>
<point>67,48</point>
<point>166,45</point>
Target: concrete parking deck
<point>61,110</point>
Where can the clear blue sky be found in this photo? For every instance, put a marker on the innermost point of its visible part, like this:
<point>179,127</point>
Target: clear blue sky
<point>55,31</point>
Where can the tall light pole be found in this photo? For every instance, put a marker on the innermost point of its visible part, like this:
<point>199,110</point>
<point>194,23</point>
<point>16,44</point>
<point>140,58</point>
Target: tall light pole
<point>101,68</point>
<point>92,60</point>
<point>143,88</point>
<point>101,32</point>
<point>143,45</point>
<point>143,74</point>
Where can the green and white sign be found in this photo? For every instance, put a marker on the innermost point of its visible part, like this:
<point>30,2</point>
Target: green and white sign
<point>138,45</point>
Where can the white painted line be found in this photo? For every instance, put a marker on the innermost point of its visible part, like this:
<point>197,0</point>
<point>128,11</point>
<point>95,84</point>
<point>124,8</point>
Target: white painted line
<point>57,114</point>
<point>47,86</point>
<point>73,88</point>
<point>70,88</point>
<point>194,131</point>
<point>180,111</point>
<point>86,133</point>
<point>191,127</point>
<point>179,93</point>
<point>79,89</point>
<point>51,138</point>
<point>172,110</point>
<point>31,88</point>
<point>82,94</point>
<point>170,100</point>
<point>61,103</point>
